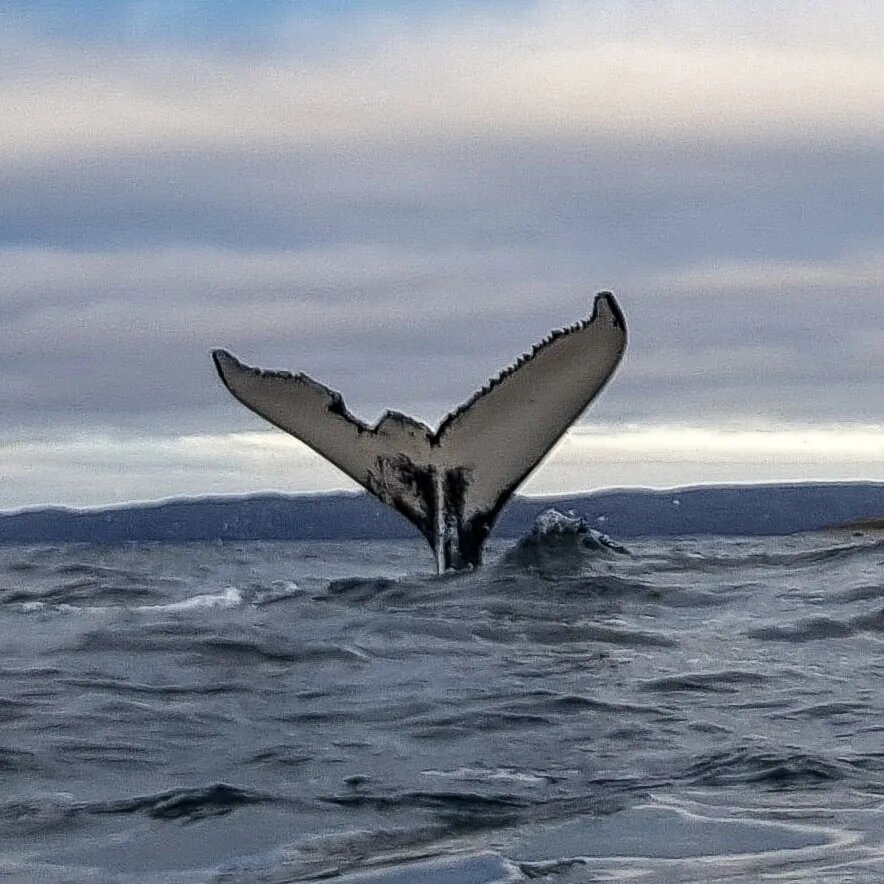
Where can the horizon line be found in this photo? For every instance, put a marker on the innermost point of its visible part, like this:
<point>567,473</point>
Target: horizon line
<point>345,492</point>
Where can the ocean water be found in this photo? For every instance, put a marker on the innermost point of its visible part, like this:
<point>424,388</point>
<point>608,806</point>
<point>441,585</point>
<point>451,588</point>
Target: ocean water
<point>686,710</point>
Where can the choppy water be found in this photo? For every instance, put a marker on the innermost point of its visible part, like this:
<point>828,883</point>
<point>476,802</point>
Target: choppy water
<point>692,710</point>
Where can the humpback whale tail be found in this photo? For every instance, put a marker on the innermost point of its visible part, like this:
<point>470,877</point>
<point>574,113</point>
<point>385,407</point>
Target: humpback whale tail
<point>451,483</point>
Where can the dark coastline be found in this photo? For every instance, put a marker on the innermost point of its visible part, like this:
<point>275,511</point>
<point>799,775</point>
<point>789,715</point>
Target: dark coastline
<point>749,510</point>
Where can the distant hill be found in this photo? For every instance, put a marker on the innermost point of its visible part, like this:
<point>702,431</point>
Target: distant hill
<point>863,525</point>
<point>740,510</point>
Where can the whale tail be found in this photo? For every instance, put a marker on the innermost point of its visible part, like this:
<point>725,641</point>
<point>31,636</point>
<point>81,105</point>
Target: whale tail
<point>451,483</point>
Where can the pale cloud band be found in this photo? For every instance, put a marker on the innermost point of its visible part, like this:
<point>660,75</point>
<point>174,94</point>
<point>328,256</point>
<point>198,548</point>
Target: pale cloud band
<point>126,468</point>
<point>563,70</point>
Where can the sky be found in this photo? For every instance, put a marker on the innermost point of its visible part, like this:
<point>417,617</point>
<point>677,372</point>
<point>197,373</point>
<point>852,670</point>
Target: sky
<point>398,199</point>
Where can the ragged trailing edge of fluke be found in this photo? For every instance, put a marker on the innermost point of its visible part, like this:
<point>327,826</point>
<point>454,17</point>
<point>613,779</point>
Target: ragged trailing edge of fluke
<point>581,324</point>
<point>451,483</point>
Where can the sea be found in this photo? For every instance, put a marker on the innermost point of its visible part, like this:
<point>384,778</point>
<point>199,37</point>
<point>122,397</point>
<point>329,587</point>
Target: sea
<point>689,709</point>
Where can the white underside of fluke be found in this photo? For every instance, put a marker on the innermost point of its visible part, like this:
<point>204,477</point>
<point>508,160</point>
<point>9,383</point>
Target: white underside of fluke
<point>450,483</point>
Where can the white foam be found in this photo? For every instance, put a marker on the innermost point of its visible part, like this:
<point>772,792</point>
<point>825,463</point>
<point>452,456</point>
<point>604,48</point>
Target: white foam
<point>230,598</point>
<point>33,606</point>
<point>483,774</point>
<point>65,608</point>
<point>553,521</point>
<point>278,591</point>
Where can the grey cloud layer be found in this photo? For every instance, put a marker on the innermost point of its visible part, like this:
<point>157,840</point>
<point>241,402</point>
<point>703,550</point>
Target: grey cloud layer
<point>87,337</point>
<point>401,218</point>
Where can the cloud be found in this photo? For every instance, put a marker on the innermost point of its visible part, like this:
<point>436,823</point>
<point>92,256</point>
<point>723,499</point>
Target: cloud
<point>775,278</point>
<point>100,336</point>
<point>124,467</point>
<point>560,74</point>
<point>122,332</point>
<point>671,456</point>
<point>401,206</point>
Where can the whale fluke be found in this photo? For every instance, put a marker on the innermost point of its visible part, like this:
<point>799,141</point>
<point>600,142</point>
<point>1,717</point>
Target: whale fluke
<point>451,483</point>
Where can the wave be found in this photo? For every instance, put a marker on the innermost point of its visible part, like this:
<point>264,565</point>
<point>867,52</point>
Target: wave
<point>17,760</point>
<point>11,708</point>
<point>832,709</point>
<point>805,630</point>
<point>820,627</point>
<point>192,804</point>
<point>271,650</point>
<point>121,687</point>
<point>78,591</point>
<point>799,558</point>
<point>728,681</point>
<point>87,598</point>
<point>460,812</point>
<point>282,756</point>
<point>862,593</point>
<point>43,813</point>
<point>105,753</point>
<point>208,644</point>
<point>768,767</point>
<point>583,633</point>
<point>361,589</point>
<point>341,852</point>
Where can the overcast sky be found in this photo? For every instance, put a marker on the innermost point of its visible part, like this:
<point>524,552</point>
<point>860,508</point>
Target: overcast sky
<point>398,201</point>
